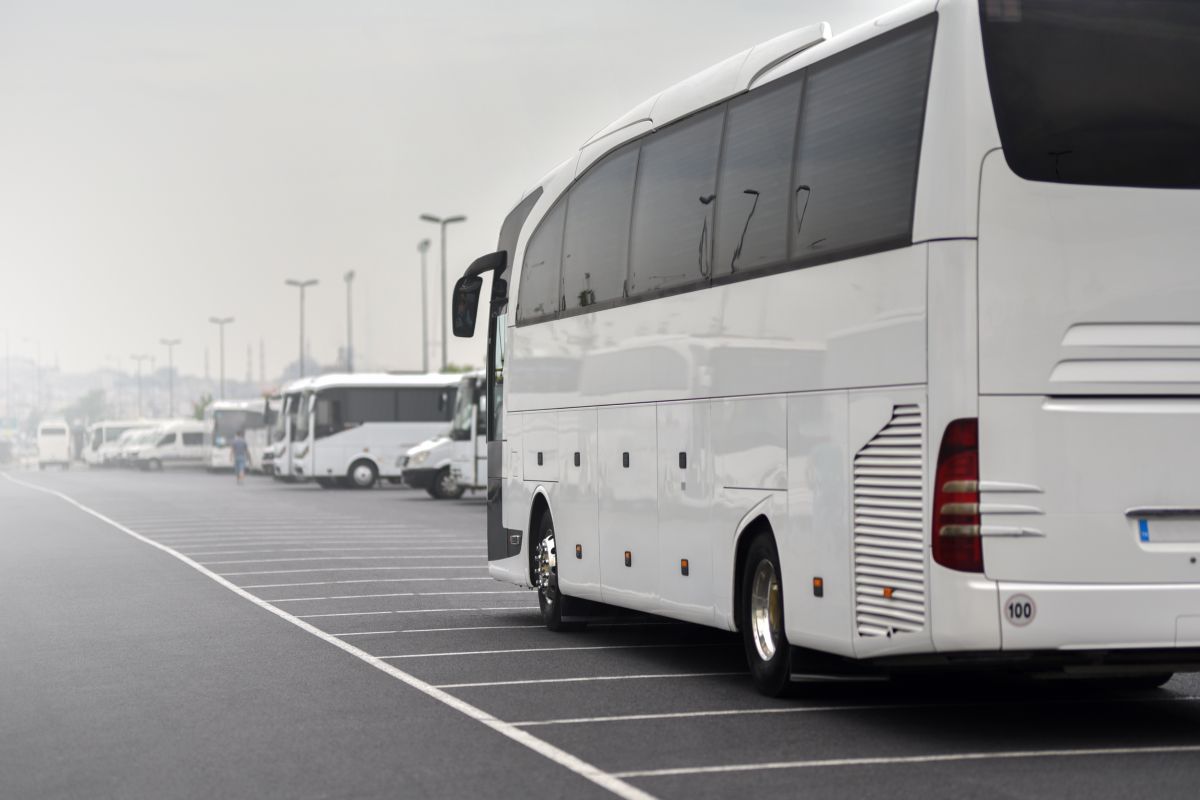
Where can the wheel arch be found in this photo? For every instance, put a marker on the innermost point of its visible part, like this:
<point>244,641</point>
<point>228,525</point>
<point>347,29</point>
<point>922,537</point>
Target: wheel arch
<point>539,506</point>
<point>756,521</point>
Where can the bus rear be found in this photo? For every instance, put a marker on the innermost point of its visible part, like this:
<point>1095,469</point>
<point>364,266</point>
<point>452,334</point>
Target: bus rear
<point>1084,502</point>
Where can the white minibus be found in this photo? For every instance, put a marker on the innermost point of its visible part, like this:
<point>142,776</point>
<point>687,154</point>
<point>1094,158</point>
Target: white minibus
<point>449,465</point>
<point>225,419</point>
<point>174,443</point>
<point>965,234</point>
<point>356,428</point>
<point>54,443</point>
<point>100,447</point>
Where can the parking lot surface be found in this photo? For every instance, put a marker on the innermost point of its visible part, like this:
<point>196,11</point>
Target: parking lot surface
<point>175,635</point>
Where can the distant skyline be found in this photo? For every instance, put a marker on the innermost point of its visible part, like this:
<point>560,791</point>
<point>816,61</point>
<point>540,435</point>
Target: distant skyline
<point>164,163</point>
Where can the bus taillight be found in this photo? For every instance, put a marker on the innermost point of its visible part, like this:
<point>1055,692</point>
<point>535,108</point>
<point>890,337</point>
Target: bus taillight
<point>956,540</point>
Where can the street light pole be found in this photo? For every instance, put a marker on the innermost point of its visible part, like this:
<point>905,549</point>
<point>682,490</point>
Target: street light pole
<point>170,345</point>
<point>301,285</point>
<point>139,359</point>
<point>443,222</point>
<point>221,322</point>
<point>423,249</point>
<point>349,277</point>
<point>37,374</point>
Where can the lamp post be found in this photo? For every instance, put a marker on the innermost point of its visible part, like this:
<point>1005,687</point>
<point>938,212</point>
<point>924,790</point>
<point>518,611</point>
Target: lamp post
<point>7,375</point>
<point>221,322</point>
<point>349,278</point>
<point>301,285</point>
<point>423,249</point>
<point>139,359</point>
<point>443,222</point>
<point>170,345</point>
<point>37,374</point>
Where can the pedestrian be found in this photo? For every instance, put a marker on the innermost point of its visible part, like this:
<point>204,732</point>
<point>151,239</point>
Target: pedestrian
<point>241,453</point>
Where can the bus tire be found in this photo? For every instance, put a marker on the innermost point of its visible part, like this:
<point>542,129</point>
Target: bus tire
<point>362,474</point>
<point>767,650</point>
<point>154,465</point>
<point>550,599</point>
<point>445,487</point>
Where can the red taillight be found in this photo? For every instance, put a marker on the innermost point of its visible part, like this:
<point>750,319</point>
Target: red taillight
<point>956,541</point>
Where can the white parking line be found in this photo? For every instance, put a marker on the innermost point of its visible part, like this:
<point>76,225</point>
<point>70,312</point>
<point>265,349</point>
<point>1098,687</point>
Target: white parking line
<point>543,748</point>
<point>558,649</point>
<point>368,580</point>
<point>441,630</point>
<point>534,681</point>
<point>931,706</point>
<point>929,759</point>
<point>410,611</point>
<point>397,594</point>
<point>340,569</point>
<point>326,558</point>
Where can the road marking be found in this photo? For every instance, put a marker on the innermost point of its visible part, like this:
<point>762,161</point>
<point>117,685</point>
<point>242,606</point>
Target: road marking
<point>328,558</point>
<point>824,709</point>
<point>556,649</point>
<point>338,569</point>
<point>441,630</point>
<point>407,548</point>
<point>588,679</point>
<point>930,759</point>
<point>409,611</point>
<point>398,594</point>
<point>369,580</point>
<point>543,748</point>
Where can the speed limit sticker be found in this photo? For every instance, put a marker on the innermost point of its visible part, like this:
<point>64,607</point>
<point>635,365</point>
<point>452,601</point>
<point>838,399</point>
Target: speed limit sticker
<point>1020,610</point>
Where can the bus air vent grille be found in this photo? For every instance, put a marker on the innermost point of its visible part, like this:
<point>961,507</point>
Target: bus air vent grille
<point>889,541</point>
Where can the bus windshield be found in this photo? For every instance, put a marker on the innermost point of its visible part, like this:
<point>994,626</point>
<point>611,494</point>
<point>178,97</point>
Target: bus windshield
<point>464,411</point>
<point>299,417</point>
<point>1099,92</point>
<point>280,418</point>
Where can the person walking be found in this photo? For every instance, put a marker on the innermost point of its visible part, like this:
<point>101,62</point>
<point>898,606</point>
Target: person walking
<point>241,454</point>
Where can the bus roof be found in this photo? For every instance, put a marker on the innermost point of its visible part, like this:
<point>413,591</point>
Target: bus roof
<point>384,379</point>
<point>255,404</point>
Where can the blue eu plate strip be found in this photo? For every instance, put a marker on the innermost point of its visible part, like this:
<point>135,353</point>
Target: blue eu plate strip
<point>1144,530</point>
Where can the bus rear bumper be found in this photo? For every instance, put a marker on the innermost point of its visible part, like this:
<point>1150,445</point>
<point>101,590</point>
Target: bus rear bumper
<point>1039,616</point>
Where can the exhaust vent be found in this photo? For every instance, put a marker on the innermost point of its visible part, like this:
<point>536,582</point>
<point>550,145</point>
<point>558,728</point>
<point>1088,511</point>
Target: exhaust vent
<point>889,541</point>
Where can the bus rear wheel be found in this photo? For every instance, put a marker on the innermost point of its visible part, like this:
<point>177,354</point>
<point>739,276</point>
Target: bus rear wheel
<point>362,474</point>
<point>545,576</point>
<point>767,650</point>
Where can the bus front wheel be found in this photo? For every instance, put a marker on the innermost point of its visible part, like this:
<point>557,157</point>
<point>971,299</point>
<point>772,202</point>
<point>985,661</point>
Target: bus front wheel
<point>363,474</point>
<point>545,576</point>
<point>445,487</point>
<point>766,644</point>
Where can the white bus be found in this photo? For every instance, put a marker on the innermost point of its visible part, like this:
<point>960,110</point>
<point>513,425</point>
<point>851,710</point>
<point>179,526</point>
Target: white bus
<point>975,223</point>
<point>100,448</point>
<point>225,419</point>
<point>54,443</point>
<point>451,464</point>
<point>355,429</point>
<point>285,430</point>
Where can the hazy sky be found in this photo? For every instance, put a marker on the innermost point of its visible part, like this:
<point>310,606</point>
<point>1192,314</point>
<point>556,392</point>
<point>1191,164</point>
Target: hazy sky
<point>163,162</point>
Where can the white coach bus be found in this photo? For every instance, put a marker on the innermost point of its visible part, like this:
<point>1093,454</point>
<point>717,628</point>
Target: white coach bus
<point>356,428</point>
<point>286,431</point>
<point>975,224</point>
<point>226,418</point>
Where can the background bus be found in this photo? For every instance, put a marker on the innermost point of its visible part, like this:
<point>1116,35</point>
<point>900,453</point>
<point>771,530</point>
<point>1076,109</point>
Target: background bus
<point>952,466</point>
<point>356,428</point>
<point>226,418</point>
<point>101,448</point>
<point>447,466</point>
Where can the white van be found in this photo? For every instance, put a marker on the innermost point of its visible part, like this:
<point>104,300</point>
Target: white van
<point>178,443</point>
<point>100,445</point>
<point>446,466</point>
<point>54,443</point>
<point>429,466</point>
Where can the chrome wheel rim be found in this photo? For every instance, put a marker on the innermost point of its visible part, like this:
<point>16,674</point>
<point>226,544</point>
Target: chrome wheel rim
<point>766,610</point>
<point>547,568</point>
<point>362,475</point>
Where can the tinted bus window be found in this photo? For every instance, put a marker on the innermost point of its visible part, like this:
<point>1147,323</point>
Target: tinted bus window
<point>537,296</point>
<point>596,242</point>
<point>426,404</point>
<point>756,167</point>
<point>1097,91</point>
<point>860,139</point>
<point>673,207</point>
<point>368,405</point>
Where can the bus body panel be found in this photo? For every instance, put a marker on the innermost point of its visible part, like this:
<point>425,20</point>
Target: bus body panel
<point>576,505</point>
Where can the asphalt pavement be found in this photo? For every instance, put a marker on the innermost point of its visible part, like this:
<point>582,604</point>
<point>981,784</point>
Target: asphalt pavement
<point>174,635</point>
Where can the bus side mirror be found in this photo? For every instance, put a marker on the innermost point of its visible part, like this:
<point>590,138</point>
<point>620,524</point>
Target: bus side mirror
<point>466,305</point>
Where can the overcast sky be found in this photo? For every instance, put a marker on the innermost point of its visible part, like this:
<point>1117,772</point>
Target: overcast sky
<point>162,162</point>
